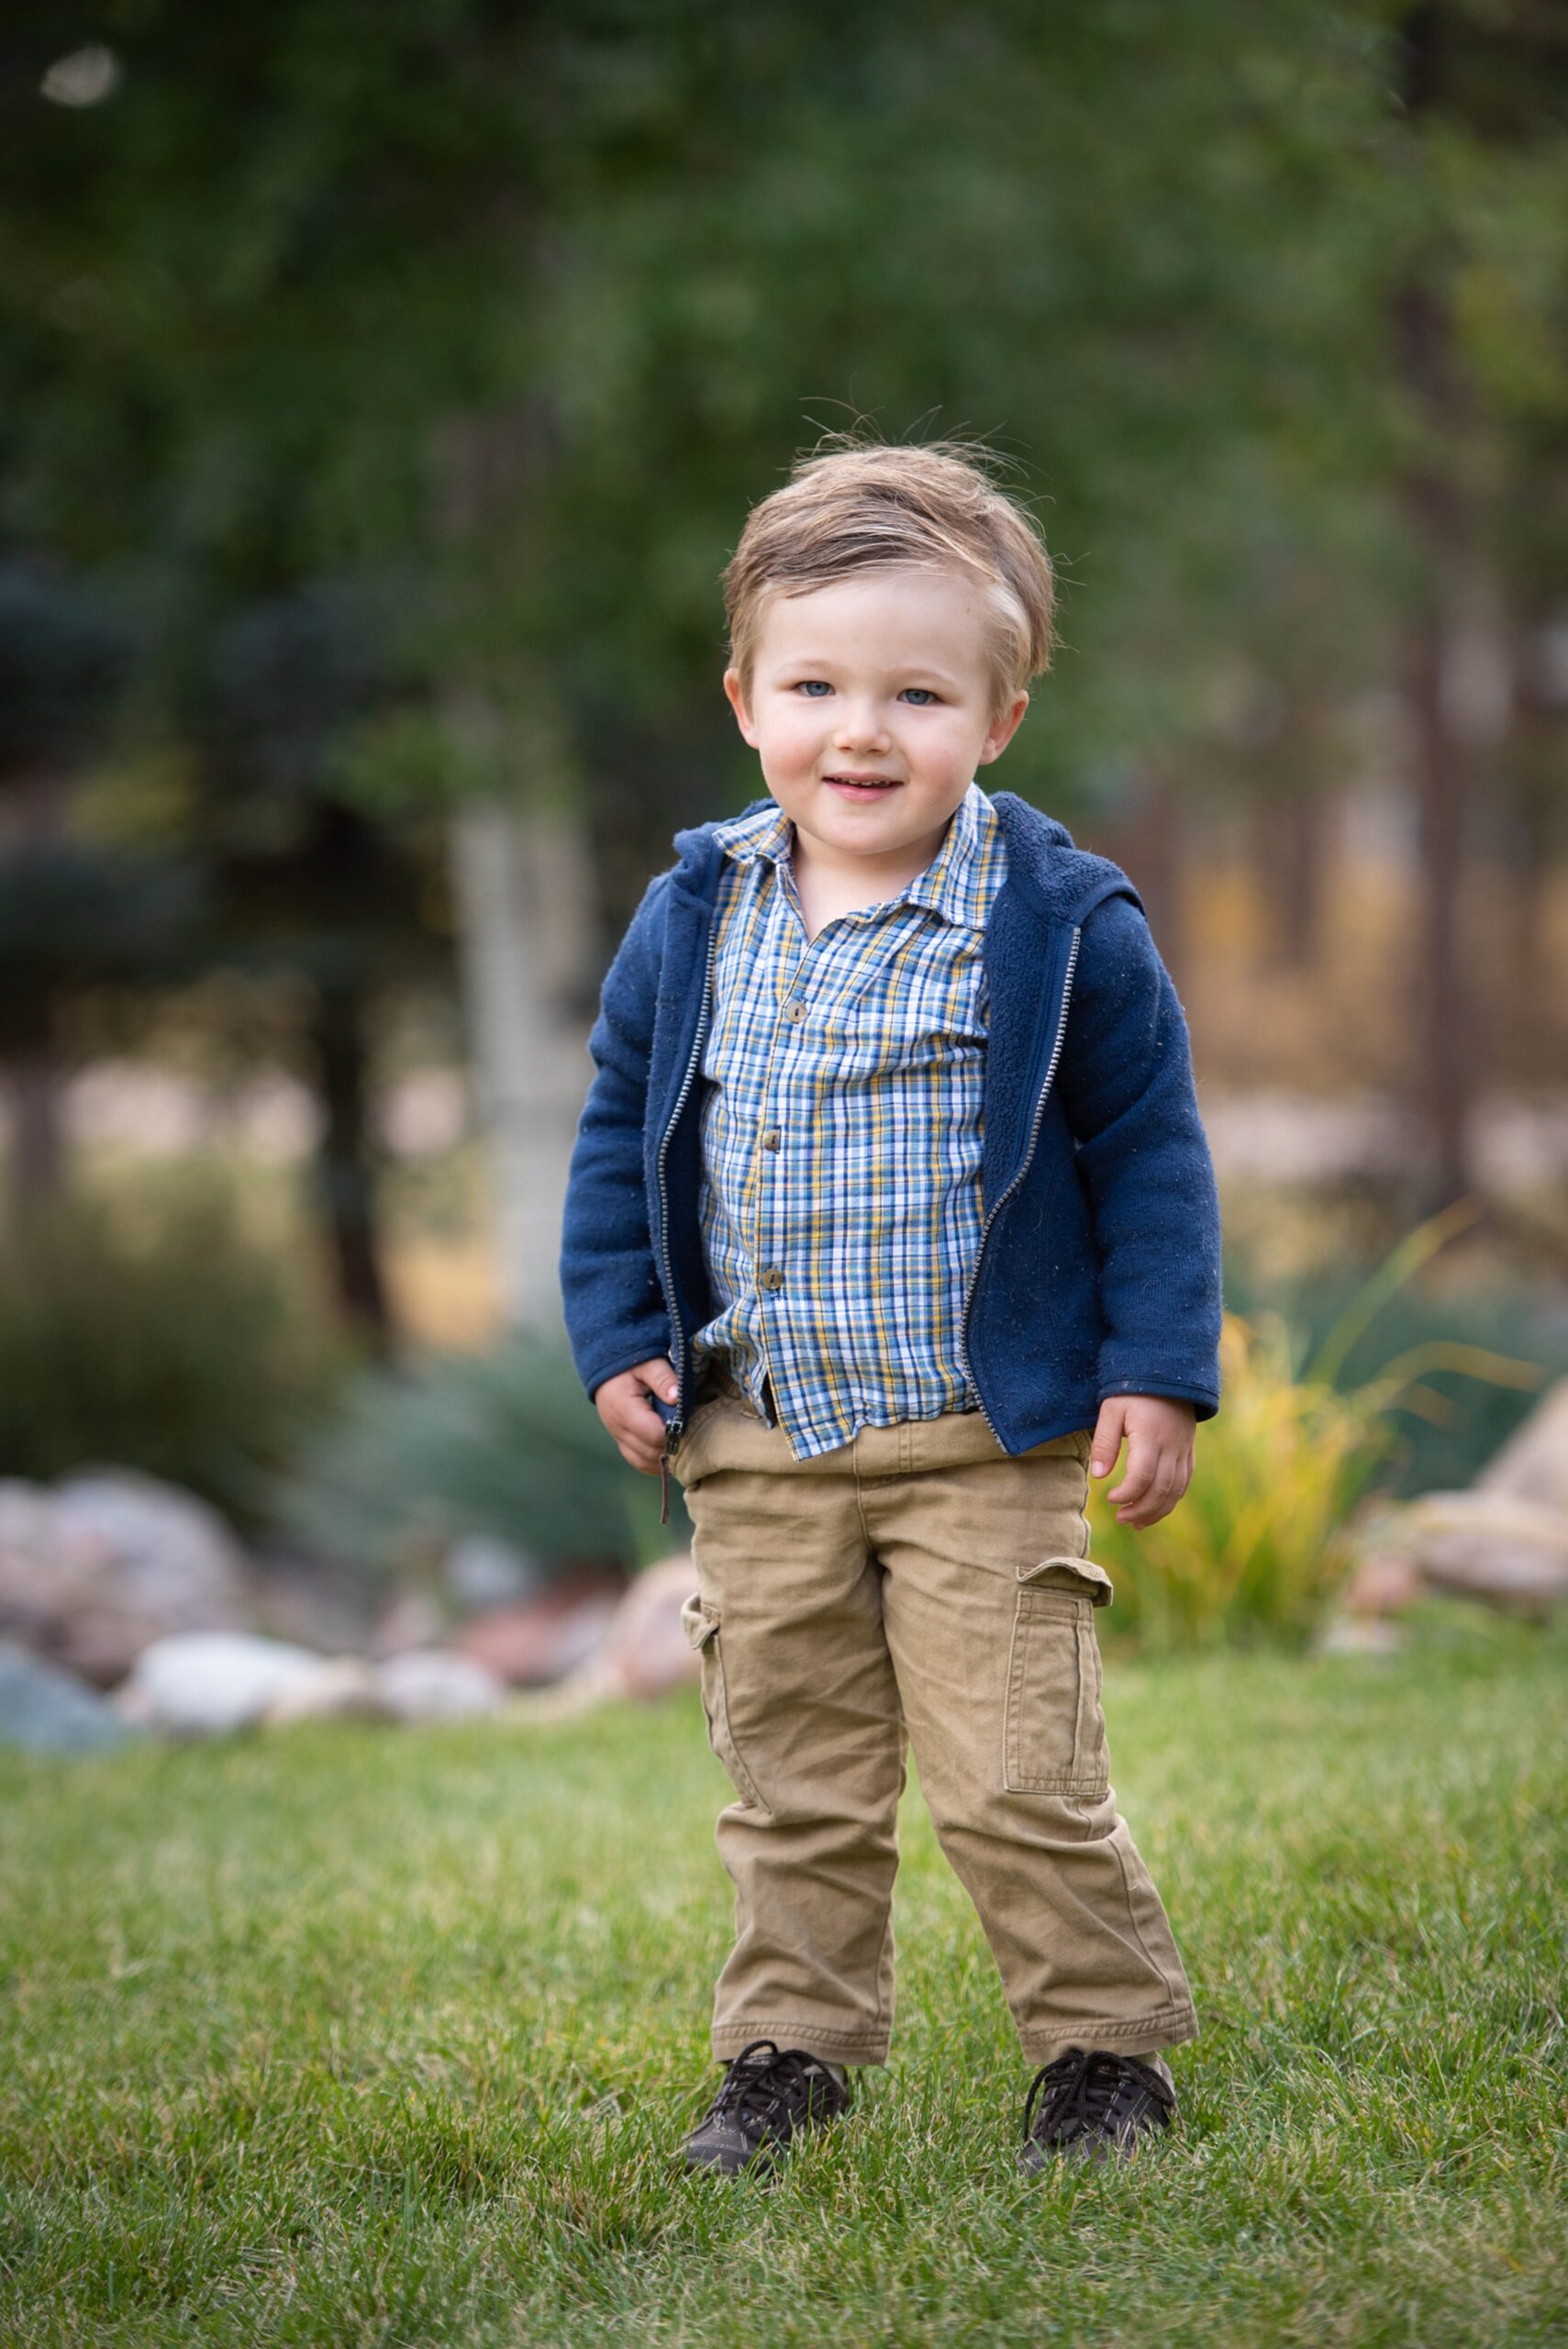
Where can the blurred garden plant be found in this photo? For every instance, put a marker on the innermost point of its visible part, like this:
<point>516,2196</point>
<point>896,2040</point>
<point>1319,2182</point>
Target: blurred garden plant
<point>503,1444</point>
<point>1261,1546</point>
<point>159,1330</point>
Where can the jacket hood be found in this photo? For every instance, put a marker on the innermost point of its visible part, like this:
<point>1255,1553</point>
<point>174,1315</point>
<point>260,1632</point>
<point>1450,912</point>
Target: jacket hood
<point>1042,860</point>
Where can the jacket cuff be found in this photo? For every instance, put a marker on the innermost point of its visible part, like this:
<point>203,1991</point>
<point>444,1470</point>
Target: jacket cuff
<point>626,1355</point>
<point>1202,1394</point>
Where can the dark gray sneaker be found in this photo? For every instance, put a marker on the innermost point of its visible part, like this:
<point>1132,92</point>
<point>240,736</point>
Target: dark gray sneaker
<point>1090,2105</point>
<point>767,2094</point>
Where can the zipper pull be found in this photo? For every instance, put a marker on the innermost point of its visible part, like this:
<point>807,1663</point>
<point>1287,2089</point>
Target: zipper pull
<point>665,1487</point>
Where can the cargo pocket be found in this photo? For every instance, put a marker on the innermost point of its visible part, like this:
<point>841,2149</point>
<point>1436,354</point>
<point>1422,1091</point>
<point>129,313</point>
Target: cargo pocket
<point>701,1624</point>
<point>1055,1729</point>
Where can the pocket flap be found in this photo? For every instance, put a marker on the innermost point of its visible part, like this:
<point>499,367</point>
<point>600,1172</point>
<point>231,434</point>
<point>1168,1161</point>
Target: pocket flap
<point>698,1621</point>
<point>1070,1573</point>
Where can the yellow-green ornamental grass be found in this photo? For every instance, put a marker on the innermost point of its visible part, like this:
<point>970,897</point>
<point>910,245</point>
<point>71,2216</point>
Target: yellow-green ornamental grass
<point>1262,1542</point>
<point>1260,1545</point>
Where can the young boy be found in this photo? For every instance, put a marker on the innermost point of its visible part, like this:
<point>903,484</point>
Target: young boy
<point>890,1218</point>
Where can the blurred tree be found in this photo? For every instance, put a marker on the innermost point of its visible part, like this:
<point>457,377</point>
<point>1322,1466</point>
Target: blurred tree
<point>310,887</point>
<point>71,915</point>
<point>1482,94</point>
<point>538,301</point>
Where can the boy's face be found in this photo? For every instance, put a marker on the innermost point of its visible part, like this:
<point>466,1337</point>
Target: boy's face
<point>870,709</point>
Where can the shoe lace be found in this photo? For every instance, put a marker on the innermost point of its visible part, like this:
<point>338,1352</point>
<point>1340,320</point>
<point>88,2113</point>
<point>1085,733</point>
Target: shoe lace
<point>1075,2094</point>
<point>758,2082</point>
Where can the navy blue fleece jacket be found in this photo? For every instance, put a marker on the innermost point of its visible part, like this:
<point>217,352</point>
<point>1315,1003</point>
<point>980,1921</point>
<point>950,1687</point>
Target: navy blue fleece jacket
<point>1098,1266</point>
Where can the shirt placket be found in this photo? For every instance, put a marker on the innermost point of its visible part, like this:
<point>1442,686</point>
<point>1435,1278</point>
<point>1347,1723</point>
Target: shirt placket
<point>776,1151</point>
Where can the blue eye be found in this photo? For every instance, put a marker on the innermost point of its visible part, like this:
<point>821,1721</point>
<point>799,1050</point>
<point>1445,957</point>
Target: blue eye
<point>814,686</point>
<point>918,695</point>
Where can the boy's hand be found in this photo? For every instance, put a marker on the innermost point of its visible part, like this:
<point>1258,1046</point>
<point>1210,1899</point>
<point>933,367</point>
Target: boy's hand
<point>622,1403</point>
<point>1159,1434</point>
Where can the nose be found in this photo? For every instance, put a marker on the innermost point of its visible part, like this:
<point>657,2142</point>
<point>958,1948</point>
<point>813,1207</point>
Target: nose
<point>862,725</point>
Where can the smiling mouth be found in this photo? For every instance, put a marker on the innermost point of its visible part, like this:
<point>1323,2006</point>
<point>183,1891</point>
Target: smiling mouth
<point>866,783</point>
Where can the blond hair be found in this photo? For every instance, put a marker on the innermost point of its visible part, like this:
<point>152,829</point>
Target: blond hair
<point>854,505</point>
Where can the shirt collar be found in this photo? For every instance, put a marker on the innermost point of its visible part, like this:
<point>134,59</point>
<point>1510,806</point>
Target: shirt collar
<point>950,882</point>
<point>949,885</point>
<point>760,831</point>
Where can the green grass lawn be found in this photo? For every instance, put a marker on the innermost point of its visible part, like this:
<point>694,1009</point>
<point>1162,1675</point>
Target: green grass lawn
<point>351,2036</point>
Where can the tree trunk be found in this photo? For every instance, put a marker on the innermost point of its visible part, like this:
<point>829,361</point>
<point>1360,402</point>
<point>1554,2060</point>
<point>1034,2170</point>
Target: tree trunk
<point>38,804</point>
<point>37,1139</point>
<point>345,1170</point>
<point>1454,676</point>
<point>1290,857</point>
<point>520,864</point>
<point>521,884</point>
<point>1528,848</point>
<point>1445,1041</point>
<point>1455,679</point>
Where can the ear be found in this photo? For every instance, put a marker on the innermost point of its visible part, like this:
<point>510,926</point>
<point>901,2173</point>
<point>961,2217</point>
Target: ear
<point>737,695</point>
<point>1002,730</point>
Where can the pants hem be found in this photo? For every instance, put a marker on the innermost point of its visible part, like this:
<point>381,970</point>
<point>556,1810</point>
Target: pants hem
<point>1043,2043</point>
<point>844,2046</point>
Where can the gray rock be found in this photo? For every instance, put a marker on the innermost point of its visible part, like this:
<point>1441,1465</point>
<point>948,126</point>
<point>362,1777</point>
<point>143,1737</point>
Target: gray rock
<point>199,1683</point>
<point>46,1710</point>
<point>314,1602</point>
<point>536,1642</point>
<point>95,1571</point>
<point>1481,1544</point>
<point>50,1576</point>
<point>480,1571</point>
<point>1533,1464</point>
<point>644,1652</point>
<point>647,1650</point>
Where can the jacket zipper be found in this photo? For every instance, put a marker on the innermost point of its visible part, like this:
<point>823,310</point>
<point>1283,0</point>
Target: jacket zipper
<point>677,1342</point>
<point>1023,1168</point>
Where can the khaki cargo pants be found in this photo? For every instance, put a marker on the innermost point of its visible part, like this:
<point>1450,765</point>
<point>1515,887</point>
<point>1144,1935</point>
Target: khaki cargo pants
<point>917,1586</point>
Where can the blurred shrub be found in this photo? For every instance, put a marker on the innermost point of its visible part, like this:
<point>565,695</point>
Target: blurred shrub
<point>505,1444</point>
<point>160,1335</point>
<point>1262,1542</point>
<point>1259,1547</point>
<point>1448,1428</point>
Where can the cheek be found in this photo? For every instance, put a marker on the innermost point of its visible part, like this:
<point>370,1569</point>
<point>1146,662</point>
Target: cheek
<point>790,730</point>
<point>944,743</point>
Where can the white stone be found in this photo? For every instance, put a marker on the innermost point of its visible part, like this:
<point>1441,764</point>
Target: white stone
<point>433,1685</point>
<point>199,1683</point>
<point>342,1687</point>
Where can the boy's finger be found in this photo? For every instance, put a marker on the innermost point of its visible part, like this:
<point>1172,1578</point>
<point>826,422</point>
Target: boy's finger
<point>635,1420</point>
<point>1142,1465</point>
<point>1162,1496</point>
<point>1107,1444</point>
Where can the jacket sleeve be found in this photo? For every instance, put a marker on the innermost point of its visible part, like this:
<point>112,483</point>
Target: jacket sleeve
<point>610,1290</point>
<point>1128,1090</point>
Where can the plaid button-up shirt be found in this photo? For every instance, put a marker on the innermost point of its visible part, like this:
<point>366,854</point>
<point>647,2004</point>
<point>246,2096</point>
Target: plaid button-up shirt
<point>842,1133</point>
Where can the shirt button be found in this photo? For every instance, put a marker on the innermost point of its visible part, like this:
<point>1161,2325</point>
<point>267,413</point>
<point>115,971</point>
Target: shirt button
<point>773,1139</point>
<point>772,1277</point>
<point>794,1008</point>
